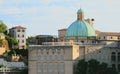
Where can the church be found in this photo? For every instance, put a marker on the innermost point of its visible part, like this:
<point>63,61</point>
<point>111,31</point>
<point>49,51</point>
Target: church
<point>79,41</point>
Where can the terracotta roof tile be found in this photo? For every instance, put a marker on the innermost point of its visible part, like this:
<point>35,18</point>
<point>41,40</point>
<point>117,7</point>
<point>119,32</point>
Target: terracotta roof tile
<point>62,29</point>
<point>18,27</point>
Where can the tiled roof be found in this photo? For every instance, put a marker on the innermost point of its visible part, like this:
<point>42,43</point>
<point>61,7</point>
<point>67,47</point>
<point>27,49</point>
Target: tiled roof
<point>62,29</point>
<point>111,33</point>
<point>107,33</point>
<point>18,27</point>
<point>97,32</point>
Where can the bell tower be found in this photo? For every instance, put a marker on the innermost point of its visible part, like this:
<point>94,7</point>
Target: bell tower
<point>80,14</point>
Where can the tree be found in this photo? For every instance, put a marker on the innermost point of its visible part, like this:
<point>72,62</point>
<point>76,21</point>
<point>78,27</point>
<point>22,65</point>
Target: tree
<point>93,67</point>
<point>3,27</point>
<point>81,67</point>
<point>11,41</point>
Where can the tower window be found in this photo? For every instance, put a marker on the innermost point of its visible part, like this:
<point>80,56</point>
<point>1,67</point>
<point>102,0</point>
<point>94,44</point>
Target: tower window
<point>22,35</point>
<point>18,30</point>
<point>23,30</point>
<point>18,35</point>
<point>22,41</point>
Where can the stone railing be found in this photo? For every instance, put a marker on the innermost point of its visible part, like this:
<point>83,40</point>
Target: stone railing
<point>69,44</point>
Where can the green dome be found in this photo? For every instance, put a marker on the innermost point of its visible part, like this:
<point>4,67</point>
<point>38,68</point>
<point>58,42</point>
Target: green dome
<point>80,10</point>
<point>80,28</point>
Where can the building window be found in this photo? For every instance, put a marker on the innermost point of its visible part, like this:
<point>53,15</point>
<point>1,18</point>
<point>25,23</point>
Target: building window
<point>53,51</point>
<point>82,41</point>
<point>18,35</point>
<point>113,56</point>
<point>118,67</point>
<point>23,30</point>
<point>50,66</point>
<point>39,52</point>
<point>50,57</point>
<point>18,30</point>
<point>99,38</point>
<point>44,52</point>
<point>39,67</point>
<point>55,66</point>
<point>56,57</point>
<point>104,37</point>
<point>111,37</point>
<point>61,57</point>
<point>56,51</point>
<point>113,66</point>
<point>118,38</point>
<point>22,35</point>
<point>45,58</point>
<point>119,56</point>
<point>23,47</point>
<point>61,67</point>
<point>22,41</point>
<point>39,58</point>
<point>99,51</point>
<point>50,51</point>
<point>44,67</point>
<point>62,51</point>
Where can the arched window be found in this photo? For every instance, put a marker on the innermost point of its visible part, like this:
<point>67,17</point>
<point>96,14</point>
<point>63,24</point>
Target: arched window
<point>56,51</point>
<point>50,51</point>
<point>39,67</point>
<point>39,52</point>
<point>113,56</point>
<point>39,58</point>
<point>119,67</point>
<point>45,58</point>
<point>61,67</point>
<point>61,51</point>
<point>50,67</point>
<point>44,52</point>
<point>56,57</point>
<point>118,56</point>
<point>61,58</point>
<point>44,67</point>
<point>55,66</point>
<point>50,58</point>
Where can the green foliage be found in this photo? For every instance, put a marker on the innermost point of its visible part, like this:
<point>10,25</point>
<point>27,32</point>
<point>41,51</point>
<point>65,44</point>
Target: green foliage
<point>0,42</point>
<point>3,27</point>
<point>24,71</point>
<point>93,67</point>
<point>82,67</point>
<point>1,65</point>
<point>11,41</point>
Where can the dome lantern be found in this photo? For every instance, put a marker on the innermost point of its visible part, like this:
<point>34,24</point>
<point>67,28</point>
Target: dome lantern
<point>80,14</point>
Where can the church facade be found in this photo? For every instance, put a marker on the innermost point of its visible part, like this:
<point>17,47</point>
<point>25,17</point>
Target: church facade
<point>78,41</point>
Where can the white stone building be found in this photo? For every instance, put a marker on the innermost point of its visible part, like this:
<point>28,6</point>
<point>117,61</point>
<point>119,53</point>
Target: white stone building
<point>78,41</point>
<point>19,33</point>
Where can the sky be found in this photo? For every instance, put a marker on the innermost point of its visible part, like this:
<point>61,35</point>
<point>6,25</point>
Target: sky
<point>47,16</point>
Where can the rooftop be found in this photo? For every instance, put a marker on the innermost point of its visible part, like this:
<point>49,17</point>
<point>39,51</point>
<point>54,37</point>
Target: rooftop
<point>18,27</point>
